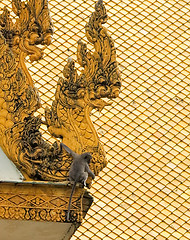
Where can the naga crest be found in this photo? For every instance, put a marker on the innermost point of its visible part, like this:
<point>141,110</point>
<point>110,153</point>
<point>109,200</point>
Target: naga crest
<point>76,94</point>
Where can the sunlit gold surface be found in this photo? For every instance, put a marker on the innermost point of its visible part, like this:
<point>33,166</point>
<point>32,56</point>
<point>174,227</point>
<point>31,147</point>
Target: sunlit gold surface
<point>143,192</point>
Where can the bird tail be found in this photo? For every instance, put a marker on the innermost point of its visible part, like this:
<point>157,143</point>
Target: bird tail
<point>70,199</point>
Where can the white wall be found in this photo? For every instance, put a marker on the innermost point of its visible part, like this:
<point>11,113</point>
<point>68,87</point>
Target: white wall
<point>8,171</point>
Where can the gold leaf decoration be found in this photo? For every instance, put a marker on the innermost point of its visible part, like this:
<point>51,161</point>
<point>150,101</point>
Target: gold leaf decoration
<point>75,97</point>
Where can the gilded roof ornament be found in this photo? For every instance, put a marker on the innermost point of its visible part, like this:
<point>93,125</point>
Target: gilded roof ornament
<point>76,94</point>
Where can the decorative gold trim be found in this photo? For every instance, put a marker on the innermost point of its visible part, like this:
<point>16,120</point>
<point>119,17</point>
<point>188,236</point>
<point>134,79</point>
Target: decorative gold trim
<point>41,202</point>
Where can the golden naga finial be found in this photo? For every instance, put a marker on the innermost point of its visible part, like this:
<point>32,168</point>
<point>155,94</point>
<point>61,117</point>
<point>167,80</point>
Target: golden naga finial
<point>76,94</point>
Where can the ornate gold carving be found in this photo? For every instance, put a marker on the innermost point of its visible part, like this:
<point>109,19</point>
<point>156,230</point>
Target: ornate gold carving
<point>19,129</point>
<point>76,95</point>
<point>41,202</point>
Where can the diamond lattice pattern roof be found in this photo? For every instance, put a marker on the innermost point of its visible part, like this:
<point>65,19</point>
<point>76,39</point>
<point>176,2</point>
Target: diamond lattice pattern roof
<point>144,192</point>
